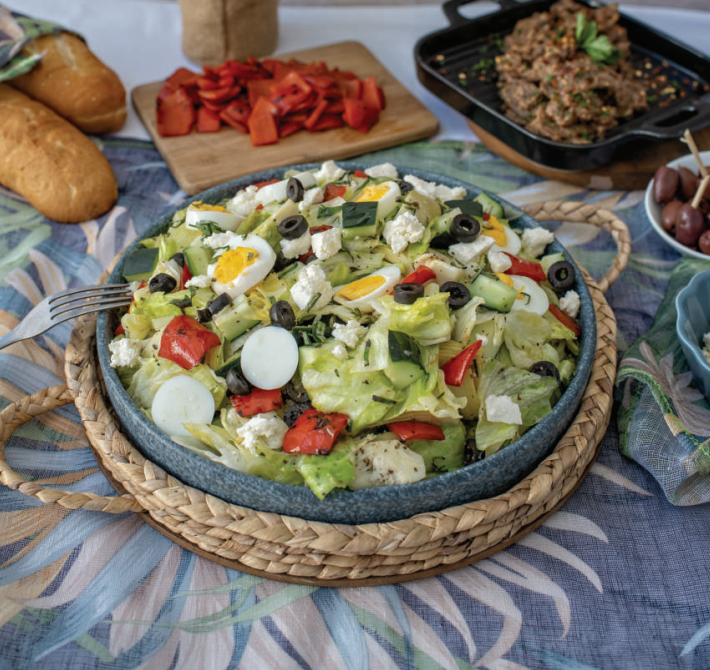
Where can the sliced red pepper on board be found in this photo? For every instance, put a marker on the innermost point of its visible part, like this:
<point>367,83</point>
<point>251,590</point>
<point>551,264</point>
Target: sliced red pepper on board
<point>359,115</point>
<point>455,369</point>
<point>185,341</point>
<point>175,114</point>
<point>333,191</point>
<point>566,320</point>
<point>257,402</point>
<point>350,88</point>
<point>220,94</point>
<point>207,121</point>
<point>315,115</point>
<point>416,430</point>
<point>290,81</point>
<point>236,114</point>
<point>262,123</point>
<point>258,88</point>
<point>328,122</point>
<point>206,84</point>
<point>372,94</point>
<point>525,268</point>
<point>289,128</point>
<point>314,432</point>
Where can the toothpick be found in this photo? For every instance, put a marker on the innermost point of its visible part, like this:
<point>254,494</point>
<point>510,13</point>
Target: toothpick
<point>700,192</point>
<point>688,139</point>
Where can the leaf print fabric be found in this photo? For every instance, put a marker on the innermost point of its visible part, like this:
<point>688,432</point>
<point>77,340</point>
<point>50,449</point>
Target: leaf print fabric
<point>603,583</point>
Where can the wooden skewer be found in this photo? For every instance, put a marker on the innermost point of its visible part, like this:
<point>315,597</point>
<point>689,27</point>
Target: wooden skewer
<point>700,192</point>
<point>688,139</point>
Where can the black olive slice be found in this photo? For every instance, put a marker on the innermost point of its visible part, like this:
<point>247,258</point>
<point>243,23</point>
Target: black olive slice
<point>294,190</point>
<point>292,412</point>
<point>179,258</point>
<point>236,384</point>
<point>464,228</point>
<point>561,276</point>
<point>282,314</point>
<point>204,315</point>
<point>404,186</point>
<point>545,369</point>
<point>408,293</point>
<point>162,282</point>
<point>219,303</point>
<point>292,227</point>
<point>281,262</point>
<point>459,294</point>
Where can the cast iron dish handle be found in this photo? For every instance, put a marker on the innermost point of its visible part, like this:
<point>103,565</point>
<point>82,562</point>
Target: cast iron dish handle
<point>451,9</point>
<point>694,116</point>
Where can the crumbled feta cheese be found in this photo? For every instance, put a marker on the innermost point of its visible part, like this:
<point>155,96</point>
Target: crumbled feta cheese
<point>329,171</point>
<point>297,247</point>
<point>125,353</point>
<point>326,244</point>
<point>311,280</point>
<point>200,281</point>
<point>266,429</point>
<point>313,196</point>
<point>445,193</point>
<point>470,252</point>
<point>498,261</point>
<point>706,348</point>
<point>403,230</point>
<point>569,303</point>
<point>340,352</point>
<point>434,190</point>
<point>335,202</point>
<point>349,333</point>
<point>244,202</point>
<point>386,462</point>
<point>218,240</point>
<point>382,170</point>
<point>502,409</point>
<point>535,240</point>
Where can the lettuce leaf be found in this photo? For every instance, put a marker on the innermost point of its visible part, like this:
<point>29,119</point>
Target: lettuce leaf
<point>427,320</point>
<point>442,455</point>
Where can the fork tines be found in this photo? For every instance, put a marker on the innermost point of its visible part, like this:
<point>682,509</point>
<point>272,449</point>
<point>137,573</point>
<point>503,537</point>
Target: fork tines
<point>87,299</point>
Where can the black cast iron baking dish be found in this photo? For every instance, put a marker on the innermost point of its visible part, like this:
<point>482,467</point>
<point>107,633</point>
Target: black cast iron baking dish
<point>467,44</point>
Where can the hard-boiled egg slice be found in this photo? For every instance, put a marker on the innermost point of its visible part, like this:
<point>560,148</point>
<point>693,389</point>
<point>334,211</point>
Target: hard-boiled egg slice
<point>247,261</point>
<point>277,190</point>
<point>530,296</point>
<point>362,292</point>
<point>384,194</point>
<point>181,400</point>
<point>270,357</point>
<point>505,238</point>
<point>199,212</point>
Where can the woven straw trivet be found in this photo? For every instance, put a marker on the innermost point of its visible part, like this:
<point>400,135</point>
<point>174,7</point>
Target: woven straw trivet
<point>310,552</point>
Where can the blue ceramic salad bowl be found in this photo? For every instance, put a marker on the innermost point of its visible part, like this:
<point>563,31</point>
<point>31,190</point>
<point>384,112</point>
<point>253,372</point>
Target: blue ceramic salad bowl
<point>483,479</point>
<point>692,323</point>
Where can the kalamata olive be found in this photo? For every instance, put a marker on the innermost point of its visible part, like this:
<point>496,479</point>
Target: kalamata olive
<point>219,303</point>
<point>282,314</point>
<point>407,293</point>
<point>704,242</point>
<point>404,186</point>
<point>670,214</point>
<point>464,228</point>
<point>689,225</point>
<point>689,182</point>
<point>294,190</point>
<point>665,184</point>
<point>545,369</point>
<point>703,207</point>
<point>204,315</point>
<point>561,276</point>
<point>236,384</point>
<point>162,282</point>
<point>459,294</point>
<point>292,227</point>
<point>179,258</point>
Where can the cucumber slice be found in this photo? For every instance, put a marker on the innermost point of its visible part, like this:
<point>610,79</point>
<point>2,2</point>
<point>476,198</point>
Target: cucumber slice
<point>359,219</point>
<point>140,264</point>
<point>404,365</point>
<point>236,319</point>
<point>490,206</point>
<point>197,259</point>
<point>495,293</point>
<point>470,207</point>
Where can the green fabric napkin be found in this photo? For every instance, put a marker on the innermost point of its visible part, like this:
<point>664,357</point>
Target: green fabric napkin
<point>663,419</point>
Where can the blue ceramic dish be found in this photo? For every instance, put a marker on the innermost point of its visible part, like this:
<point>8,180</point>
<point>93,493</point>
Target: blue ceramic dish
<point>692,322</point>
<point>480,480</point>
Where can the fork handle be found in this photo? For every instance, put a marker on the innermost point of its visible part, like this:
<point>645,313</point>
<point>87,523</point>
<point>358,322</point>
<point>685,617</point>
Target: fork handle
<point>20,412</point>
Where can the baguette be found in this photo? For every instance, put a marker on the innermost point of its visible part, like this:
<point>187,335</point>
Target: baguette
<point>73,82</point>
<point>54,165</point>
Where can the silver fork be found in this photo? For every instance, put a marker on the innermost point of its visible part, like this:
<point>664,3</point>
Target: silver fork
<point>65,305</point>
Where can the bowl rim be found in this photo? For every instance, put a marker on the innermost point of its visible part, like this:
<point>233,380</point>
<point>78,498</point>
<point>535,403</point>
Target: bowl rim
<point>690,347</point>
<point>653,209</point>
<point>391,494</point>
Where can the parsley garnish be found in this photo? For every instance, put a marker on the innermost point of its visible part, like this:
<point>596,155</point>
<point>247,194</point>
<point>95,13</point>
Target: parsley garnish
<point>598,47</point>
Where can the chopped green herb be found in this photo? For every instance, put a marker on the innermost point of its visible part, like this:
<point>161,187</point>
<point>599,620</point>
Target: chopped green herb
<point>386,401</point>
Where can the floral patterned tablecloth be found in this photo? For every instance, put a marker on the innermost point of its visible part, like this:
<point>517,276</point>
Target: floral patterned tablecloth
<point>618,578</point>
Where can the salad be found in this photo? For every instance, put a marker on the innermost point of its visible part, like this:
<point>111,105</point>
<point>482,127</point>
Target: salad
<point>347,329</point>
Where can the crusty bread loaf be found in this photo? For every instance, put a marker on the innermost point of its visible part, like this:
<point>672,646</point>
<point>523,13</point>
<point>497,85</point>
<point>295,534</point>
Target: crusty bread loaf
<point>50,162</point>
<point>74,83</point>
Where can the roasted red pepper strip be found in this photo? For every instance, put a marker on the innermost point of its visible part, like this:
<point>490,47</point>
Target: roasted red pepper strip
<point>314,432</point>
<point>372,94</point>
<point>525,268</point>
<point>315,115</point>
<point>455,369</point>
<point>359,115</point>
<point>207,121</point>
<point>262,123</point>
<point>416,430</point>
<point>359,174</point>
<point>185,277</point>
<point>566,320</point>
<point>175,113</point>
<point>333,191</point>
<point>328,122</point>
<point>420,275</point>
<point>185,342</point>
<point>257,402</point>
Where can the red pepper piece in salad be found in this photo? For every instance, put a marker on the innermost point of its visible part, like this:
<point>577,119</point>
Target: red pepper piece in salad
<point>420,275</point>
<point>185,342</point>
<point>525,268</point>
<point>314,432</point>
<point>455,369</point>
<point>257,402</point>
<point>566,320</point>
<point>416,430</point>
<point>333,191</point>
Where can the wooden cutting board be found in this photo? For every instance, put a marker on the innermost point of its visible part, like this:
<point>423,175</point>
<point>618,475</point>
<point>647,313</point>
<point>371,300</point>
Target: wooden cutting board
<point>201,160</point>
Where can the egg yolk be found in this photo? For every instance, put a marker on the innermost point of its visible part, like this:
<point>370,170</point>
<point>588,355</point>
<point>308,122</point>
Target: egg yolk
<point>372,193</point>
<point>233,262</point>
<point>361,287</point>
<point>495,229</point>
<point>203,207</point>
